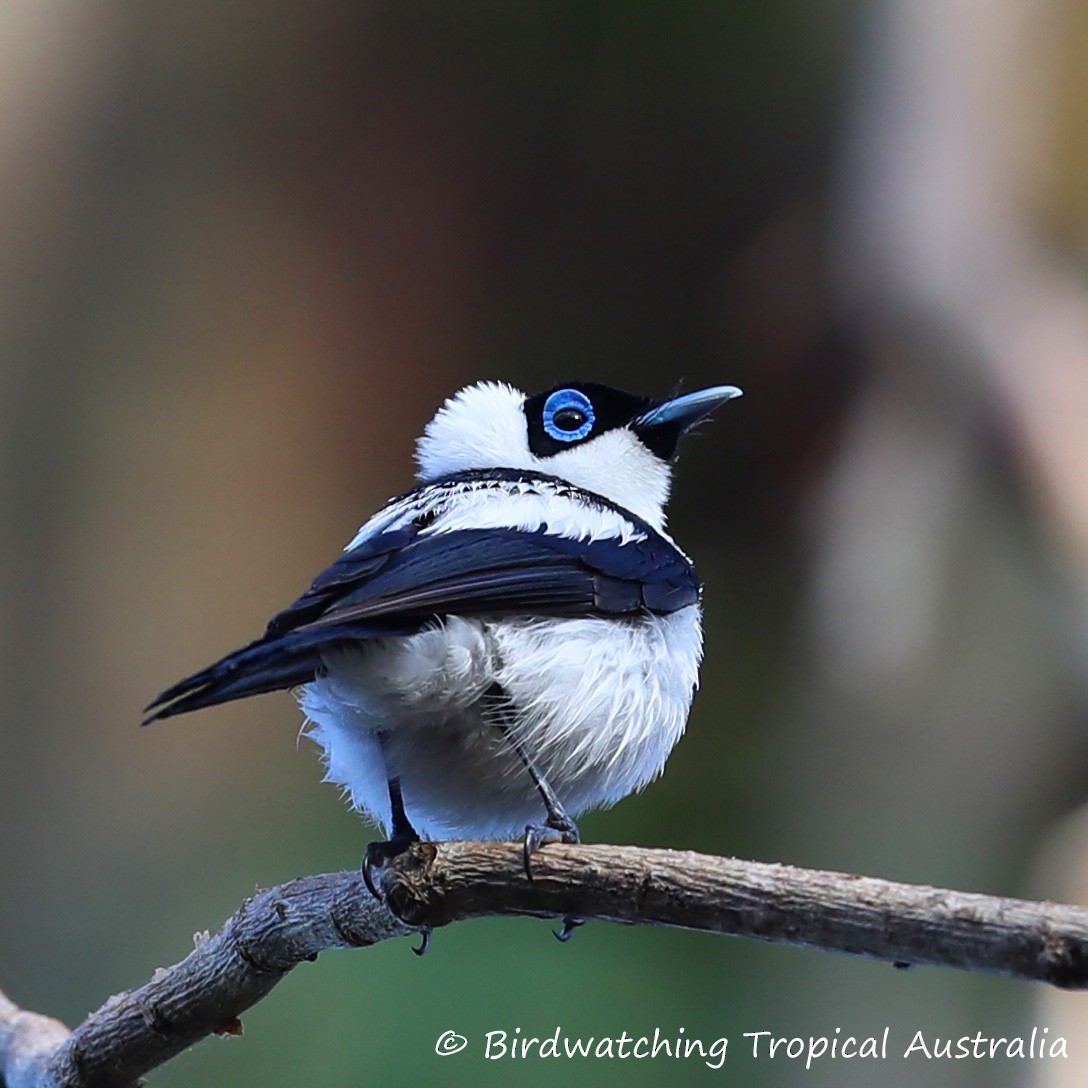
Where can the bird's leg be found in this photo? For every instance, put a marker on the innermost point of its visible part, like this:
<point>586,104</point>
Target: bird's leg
<point>402,826</point>
<point>557,827</point>
<point>378,853</point>
<point>403,834</point>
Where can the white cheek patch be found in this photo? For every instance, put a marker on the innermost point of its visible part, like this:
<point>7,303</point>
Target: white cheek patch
<point>618,466</point>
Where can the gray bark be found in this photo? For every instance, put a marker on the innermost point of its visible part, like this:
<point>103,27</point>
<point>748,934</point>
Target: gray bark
<point>435,884</point>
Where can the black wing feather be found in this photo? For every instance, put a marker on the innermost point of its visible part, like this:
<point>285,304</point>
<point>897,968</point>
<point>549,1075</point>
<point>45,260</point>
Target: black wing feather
<point>398,581</point>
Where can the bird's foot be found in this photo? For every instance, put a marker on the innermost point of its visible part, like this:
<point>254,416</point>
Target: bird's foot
<point>378,853</point>
<point>554,829</point>
<point>557,829</point>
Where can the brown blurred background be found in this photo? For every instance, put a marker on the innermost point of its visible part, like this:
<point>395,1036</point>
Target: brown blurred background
<point>245,252</point>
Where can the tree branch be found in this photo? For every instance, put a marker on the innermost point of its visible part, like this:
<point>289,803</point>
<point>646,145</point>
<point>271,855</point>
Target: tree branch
<point>434,884</point>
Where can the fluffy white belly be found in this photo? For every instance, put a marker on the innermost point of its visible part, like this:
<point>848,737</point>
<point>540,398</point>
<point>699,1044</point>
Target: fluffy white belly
<point>598,705</point>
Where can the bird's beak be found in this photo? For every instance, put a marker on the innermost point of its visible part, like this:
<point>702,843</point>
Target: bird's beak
<point>682,413</point>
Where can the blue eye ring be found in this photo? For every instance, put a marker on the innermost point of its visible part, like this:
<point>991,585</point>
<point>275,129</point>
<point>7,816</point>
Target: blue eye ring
<point>562,409</point>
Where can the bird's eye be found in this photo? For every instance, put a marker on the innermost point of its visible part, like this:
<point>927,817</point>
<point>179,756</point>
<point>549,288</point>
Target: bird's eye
<point>569,419</point>
<point>568,415</point>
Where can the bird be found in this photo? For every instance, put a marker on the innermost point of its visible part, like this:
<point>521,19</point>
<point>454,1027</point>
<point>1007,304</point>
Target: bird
<point>511,643</point>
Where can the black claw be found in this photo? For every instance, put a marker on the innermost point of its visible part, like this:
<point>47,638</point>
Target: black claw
<point>570,924</point>
<point>424,940</point>
<point>560,829</point>
<point>368,879</point>
<point>536,837</point>
<point>377,854</point>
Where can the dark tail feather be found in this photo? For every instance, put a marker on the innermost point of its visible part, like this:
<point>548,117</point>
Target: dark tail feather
<point>269,664</point>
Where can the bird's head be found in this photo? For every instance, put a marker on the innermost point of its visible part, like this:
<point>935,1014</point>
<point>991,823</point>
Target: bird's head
<point>613,443</point>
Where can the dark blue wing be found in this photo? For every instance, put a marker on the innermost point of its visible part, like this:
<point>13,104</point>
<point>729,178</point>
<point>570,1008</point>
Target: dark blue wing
<point>406,575</point>
<point>396,582</point>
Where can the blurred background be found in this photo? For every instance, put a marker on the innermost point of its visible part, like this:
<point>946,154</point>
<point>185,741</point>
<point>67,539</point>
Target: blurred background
<point>247,250</point>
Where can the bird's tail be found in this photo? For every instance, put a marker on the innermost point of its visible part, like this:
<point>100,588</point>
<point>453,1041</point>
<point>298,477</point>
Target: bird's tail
<point>272,663</point>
